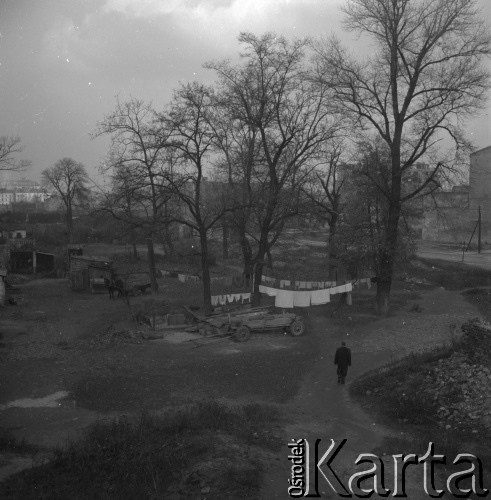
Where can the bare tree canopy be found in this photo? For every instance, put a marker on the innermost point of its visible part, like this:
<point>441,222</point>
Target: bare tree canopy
<point>138,165</point>
<point>324,190</point>
<point>10,147</point>
<point>425,78</point>
<point>69,179</point>
<point>281,115</point>
<point>202,203</point>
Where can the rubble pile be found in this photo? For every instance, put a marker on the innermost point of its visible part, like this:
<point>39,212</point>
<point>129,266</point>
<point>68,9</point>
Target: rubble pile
<point>460,385</point>
<point>477,341</point>
<point>111,337</point>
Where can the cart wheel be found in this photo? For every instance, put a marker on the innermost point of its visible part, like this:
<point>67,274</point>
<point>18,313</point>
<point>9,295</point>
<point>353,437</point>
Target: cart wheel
<point>242,334</point>
<point>297,327</point>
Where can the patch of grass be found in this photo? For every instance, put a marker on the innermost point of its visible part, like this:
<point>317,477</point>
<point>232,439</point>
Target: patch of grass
<point>394,394</point>
<point>148,457</point>
<point>9,443</point>
<point>395,388</point>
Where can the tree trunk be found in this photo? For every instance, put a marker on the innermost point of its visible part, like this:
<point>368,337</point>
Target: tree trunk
<point>205,273</point>
<point>247,256</point>
<point>386,260</point>
<point>69,224</point>
<point>168,243</point>
<point>258,272</point>
<point>331,245</point>
<point>151,266</point>
<point>225,236</point>
<point>270,259</point>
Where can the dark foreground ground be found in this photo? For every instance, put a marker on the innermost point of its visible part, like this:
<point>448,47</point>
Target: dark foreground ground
<point>55,340</point>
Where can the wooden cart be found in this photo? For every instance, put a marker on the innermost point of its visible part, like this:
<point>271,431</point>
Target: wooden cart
<point>240,324</point>
<point>243,325</point>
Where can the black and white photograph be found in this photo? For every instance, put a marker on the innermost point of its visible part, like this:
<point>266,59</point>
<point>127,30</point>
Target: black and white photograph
<point>245,249</point>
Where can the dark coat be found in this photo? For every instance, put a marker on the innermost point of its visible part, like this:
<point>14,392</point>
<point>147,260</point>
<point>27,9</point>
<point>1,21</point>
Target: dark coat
<point>342,358</point>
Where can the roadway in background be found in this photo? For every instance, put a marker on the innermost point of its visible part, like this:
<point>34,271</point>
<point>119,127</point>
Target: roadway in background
<point>433,250</point>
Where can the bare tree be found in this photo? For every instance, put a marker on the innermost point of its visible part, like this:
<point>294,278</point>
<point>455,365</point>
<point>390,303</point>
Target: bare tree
<point>124,202</point>
<point>325,190</point>
<point>425,78</point>
<point>10,147</point>
<point>137,158</point>
<point>203,202</point>
<point>238,146</point>
<point>69,179</point>
<point>273,97</point>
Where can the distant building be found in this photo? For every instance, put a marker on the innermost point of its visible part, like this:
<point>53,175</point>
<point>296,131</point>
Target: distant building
<point>447,217</point>
<point>6,197</point>
<point>24,185</point>
<point>480,188</point>
<point>451,216</point>
<point>31,196</point>
<point>18,234</point>
<point>17,195</point>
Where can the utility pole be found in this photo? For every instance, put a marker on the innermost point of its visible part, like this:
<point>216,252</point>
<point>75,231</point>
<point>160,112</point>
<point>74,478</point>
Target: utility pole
<point>479,231</point>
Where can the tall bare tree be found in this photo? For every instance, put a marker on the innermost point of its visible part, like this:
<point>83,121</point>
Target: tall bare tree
<point>237,145</point>
<point>325,190</point>
<point>189,117</point>
<point>10,147</point>
<point>69,179</point>
<point>272,95</point>
<point>126,202</point>
<point>137,161</point>
<point>425,78</point>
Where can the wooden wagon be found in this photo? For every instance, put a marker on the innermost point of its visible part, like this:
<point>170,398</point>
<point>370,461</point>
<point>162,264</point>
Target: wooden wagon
<point>242,326</point>
<point>239,325</point>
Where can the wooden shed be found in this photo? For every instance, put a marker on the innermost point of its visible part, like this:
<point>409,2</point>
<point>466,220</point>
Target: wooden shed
<point>84,269</point>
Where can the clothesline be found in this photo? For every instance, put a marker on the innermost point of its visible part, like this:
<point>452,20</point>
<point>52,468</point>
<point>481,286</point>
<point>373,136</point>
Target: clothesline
<point>311,285</point>
<point>305,298</point>
<point>230,298</point>
<point>188,277</point>
<point>222,280</point>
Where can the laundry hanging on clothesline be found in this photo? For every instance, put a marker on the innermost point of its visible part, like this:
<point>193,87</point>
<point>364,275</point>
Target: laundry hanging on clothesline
<point>228,298</point>
<point>304,298</point>
<point>319,297</point>
<point>284,298</point>
<point>309,285</point>
<point>268,290</point>
<point>216,280</point>
<point>187,278</point>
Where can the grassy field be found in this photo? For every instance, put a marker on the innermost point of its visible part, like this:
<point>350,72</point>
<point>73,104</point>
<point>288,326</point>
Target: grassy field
<point>444,395</point>
<point>180,453</point>
<point>213,442</point>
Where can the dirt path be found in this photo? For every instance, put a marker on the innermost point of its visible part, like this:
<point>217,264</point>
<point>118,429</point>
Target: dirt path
<point>323,409</point>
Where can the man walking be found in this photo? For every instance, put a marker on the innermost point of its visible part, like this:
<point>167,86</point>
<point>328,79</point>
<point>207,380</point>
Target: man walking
<point>342,358</point>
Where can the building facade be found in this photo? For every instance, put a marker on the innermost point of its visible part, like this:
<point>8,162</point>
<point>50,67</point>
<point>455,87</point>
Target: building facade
<point>480,188</point>
<point>35,195</point>
<point>452,216</point>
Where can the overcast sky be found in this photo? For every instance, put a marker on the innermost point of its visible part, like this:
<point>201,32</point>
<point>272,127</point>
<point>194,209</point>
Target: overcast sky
<point>62,62</point>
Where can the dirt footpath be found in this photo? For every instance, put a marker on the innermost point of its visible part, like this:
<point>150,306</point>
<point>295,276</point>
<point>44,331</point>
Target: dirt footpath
<point>52,343</point>
<point>323,409</point>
